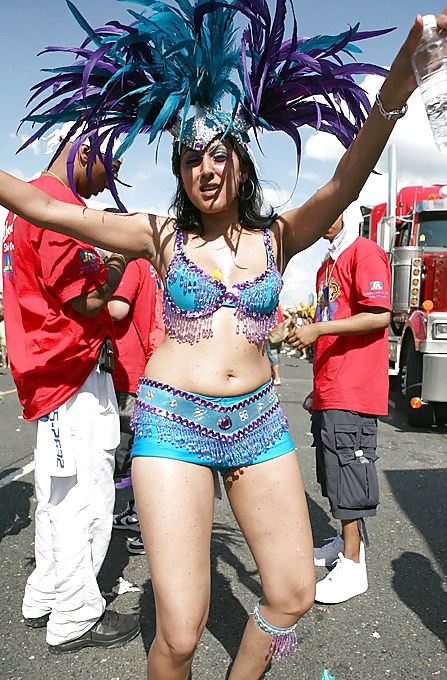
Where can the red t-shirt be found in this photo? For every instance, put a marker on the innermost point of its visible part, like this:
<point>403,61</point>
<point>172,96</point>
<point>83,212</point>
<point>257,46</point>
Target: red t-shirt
<point>52,348</point>
<point>136,335</point>
<point>351,371</point>
<point>158,330</point>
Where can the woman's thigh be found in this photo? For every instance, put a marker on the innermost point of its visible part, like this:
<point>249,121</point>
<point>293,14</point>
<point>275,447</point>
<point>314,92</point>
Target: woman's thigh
<point>269,503</point>
<point>175,503</point>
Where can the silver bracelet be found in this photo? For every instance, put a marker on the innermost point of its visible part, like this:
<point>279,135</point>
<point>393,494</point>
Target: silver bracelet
<point>390,115</point>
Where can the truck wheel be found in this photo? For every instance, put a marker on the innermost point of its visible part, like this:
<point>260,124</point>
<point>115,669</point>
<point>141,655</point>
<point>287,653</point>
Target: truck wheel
<point>423,416</point>
<point>440,411</point>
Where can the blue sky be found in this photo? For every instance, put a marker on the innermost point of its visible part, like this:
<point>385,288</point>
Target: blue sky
<point>28,26</point>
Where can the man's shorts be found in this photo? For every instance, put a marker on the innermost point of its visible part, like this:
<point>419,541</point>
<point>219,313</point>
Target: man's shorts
<point>273,353</point>
<point>350,484</point>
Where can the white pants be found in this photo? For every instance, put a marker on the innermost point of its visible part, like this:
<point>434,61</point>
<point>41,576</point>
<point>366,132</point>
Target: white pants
<point>74,515</point>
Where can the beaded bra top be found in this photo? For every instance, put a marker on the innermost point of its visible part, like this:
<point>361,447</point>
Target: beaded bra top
<point>191,296</point>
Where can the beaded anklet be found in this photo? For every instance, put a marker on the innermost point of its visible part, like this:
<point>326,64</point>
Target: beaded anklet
<point>284,640</point>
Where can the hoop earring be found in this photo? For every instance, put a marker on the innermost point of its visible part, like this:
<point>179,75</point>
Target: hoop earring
<point>242,196</point>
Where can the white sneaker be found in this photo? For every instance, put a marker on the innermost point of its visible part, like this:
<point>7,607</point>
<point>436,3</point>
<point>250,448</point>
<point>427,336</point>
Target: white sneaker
<point>346,580</point>
<point>327,555</point>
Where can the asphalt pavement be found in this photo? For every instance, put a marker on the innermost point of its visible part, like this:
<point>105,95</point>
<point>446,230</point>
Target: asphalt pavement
<point>396,630</point>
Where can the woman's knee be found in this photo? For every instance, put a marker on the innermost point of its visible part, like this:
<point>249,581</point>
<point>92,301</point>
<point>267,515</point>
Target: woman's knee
<point>180,642</point>
<point>293,600</point>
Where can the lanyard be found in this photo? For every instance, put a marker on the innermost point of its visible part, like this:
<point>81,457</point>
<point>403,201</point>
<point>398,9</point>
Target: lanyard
<point>327,279</point>
<point>329,273</point>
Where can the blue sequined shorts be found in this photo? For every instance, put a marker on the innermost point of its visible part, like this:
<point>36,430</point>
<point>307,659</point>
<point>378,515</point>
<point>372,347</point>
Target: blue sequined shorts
<point>218,432</point>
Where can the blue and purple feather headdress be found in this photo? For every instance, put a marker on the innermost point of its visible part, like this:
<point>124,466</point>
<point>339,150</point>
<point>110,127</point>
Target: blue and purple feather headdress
<point>227,62</point>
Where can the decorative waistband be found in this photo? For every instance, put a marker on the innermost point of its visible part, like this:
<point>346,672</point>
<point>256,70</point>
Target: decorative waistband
<point>229,430</point>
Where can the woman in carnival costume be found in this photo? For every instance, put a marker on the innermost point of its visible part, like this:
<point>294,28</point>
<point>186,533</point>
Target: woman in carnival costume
<point>221,260</point>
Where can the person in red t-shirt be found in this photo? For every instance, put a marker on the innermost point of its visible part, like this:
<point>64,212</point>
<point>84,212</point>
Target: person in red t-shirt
<point>137,315</point>
<point>350,391</point>
<point>59,338</point>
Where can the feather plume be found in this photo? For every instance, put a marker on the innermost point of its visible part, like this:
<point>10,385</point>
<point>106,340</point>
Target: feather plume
<point>143,77</point>
<point>301,81</point>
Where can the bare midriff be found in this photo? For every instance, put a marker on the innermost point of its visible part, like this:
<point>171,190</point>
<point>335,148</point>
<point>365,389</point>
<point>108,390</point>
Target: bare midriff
<point>224,365</point>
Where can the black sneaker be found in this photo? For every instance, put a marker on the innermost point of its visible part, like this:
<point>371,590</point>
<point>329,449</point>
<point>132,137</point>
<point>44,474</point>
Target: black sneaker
<point>38,621</point>
<point>127,519</point>
<point>112,630</point>
<point>136,547</point>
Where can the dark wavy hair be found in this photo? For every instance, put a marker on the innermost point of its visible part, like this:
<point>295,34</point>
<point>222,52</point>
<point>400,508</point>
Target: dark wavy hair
<point>250,213</point>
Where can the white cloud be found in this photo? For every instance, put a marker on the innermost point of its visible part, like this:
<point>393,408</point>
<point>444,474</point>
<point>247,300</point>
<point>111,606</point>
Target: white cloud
<point>323,147</point>
<point>35,146</point>
<point>418,160</point>
<point>299,278</point>
<point>375,190</point>
<point>17,173</point>
<point>99,205</point>
<point>276,197</point>
<point>153,209</point>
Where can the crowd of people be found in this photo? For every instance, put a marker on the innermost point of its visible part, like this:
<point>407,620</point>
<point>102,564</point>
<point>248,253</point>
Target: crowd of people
<point>71,309</point>
<point>287,321</point>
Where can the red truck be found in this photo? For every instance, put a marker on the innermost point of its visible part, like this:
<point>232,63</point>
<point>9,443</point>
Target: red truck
<point>413,232</point>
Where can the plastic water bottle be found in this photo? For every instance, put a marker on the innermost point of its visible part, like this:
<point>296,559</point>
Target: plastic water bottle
<point>430,69</point>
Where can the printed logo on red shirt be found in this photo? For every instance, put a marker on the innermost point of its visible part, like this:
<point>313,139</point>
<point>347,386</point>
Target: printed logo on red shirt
<point>376,291</point>
<point>7,265</point>
<point>90,261</point>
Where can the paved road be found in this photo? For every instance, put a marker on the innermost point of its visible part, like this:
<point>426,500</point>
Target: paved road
<point>397,630</point>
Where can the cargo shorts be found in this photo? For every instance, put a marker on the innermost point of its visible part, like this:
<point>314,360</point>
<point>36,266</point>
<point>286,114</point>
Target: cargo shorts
<point>348,480</point>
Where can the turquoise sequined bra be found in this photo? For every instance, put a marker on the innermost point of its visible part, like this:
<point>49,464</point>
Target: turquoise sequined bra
<point>191,296</point>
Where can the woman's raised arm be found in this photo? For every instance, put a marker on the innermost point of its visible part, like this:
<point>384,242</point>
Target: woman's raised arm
<point>305,225</point>
<point>133,234</point>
